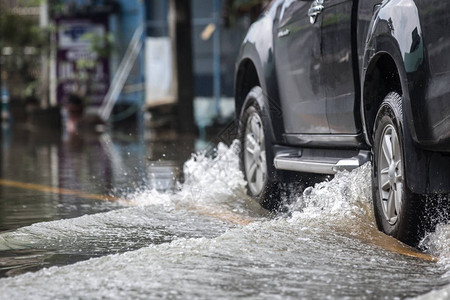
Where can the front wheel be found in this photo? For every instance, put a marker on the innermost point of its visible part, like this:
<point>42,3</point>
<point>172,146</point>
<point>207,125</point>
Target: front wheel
<point>398,211</point>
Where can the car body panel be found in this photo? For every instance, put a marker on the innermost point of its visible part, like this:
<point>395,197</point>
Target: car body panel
<point>314,77</point>
<point>433,108</point>
<point>338,67</point>
<point>257,47</point>
<point>412,33</point>
<point>297,46</point>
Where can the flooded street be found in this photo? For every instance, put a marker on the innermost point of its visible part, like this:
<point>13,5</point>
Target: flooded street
<point>127,216</point>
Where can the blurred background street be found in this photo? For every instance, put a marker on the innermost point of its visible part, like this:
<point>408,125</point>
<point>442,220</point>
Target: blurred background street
<point>97,65</point>
<point>102,96</point>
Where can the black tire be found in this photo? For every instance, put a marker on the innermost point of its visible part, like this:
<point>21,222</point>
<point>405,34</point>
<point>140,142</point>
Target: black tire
<point>402,219</point>
<point>268,195</point>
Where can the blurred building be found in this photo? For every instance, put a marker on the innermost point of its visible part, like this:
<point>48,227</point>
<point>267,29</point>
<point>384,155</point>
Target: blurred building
<point>136,69</point>
<point>215,48</point>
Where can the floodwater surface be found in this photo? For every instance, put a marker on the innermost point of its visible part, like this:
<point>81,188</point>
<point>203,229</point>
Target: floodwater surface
<point>180,226</point>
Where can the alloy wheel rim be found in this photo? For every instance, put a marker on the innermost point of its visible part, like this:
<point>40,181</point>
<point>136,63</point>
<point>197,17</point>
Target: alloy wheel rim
<point>255,154</point>
<point>390,170</point>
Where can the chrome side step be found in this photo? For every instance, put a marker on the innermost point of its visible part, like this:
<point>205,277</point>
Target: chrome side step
<point>328,166</point>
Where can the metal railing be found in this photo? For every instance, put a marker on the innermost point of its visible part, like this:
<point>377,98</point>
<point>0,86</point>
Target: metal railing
<point>122,74</point>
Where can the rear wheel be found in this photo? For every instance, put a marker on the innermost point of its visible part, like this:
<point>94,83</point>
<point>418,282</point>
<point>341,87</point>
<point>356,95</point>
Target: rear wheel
<point>256,153</point>
<point>254,150</point>
<point>398,211</point>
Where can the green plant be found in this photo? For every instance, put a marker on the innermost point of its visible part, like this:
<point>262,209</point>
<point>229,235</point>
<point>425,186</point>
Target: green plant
<point>22,42</point>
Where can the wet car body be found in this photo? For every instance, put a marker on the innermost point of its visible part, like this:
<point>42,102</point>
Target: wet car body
<point>325,75</point>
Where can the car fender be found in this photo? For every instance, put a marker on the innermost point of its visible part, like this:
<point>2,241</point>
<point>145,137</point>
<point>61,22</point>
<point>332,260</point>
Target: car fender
<point>395,30</point>
<point>260,52</point>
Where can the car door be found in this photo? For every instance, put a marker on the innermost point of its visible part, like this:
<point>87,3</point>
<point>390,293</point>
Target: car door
<point>338,78</point>
<point>298,67</point>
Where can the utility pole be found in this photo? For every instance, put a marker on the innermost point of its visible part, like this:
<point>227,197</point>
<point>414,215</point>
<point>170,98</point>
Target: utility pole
<point>216,57</point>
<point>181,33</point>
<point>1,51</point>
<point>44,89</point>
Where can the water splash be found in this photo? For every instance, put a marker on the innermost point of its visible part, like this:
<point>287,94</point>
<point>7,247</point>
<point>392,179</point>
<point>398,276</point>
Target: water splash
<point>438,243</point>
<point>313,253</point>
<point>207,179</point>
<point>212,185</point>
<point>346,196</point>
<point>220,175</point>
<point>326,245</point>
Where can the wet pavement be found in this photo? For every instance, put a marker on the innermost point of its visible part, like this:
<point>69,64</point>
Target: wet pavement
<point>138,216</point>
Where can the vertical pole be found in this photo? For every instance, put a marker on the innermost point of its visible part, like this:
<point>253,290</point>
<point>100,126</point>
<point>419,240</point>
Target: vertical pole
<point>165,9</point>
<point>4,100</point>
<point>216,57</point>
<point>44,89</point>
<point>181,31</point>
<point>142,62</point>
<point>53,81</point>
<point>1,69</point>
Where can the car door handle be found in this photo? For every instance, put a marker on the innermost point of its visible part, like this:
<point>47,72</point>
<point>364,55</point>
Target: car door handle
<point>315,10</point>
<point>283,33</point>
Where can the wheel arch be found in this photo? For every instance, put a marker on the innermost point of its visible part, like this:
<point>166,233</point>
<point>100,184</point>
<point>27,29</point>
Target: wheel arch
<point>385,72</point>
<point>381,77</point>
<point>246,78</point>
<point>248,75</point>
<point>386,39</point>
<point>426,171</point>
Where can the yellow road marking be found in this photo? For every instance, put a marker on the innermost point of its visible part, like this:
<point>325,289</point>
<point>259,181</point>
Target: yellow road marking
<point>375,237</point>
<point>383,241</point>
<point>55,190</point>
<point>412,253</point>
<point>206,211</point>
<point>392,245</point>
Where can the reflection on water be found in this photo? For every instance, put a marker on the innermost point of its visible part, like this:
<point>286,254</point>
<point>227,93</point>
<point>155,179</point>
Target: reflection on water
<point>93,164</point>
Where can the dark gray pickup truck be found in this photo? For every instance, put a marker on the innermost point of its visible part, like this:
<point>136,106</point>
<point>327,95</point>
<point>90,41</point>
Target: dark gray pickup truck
<point>327,85</point>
